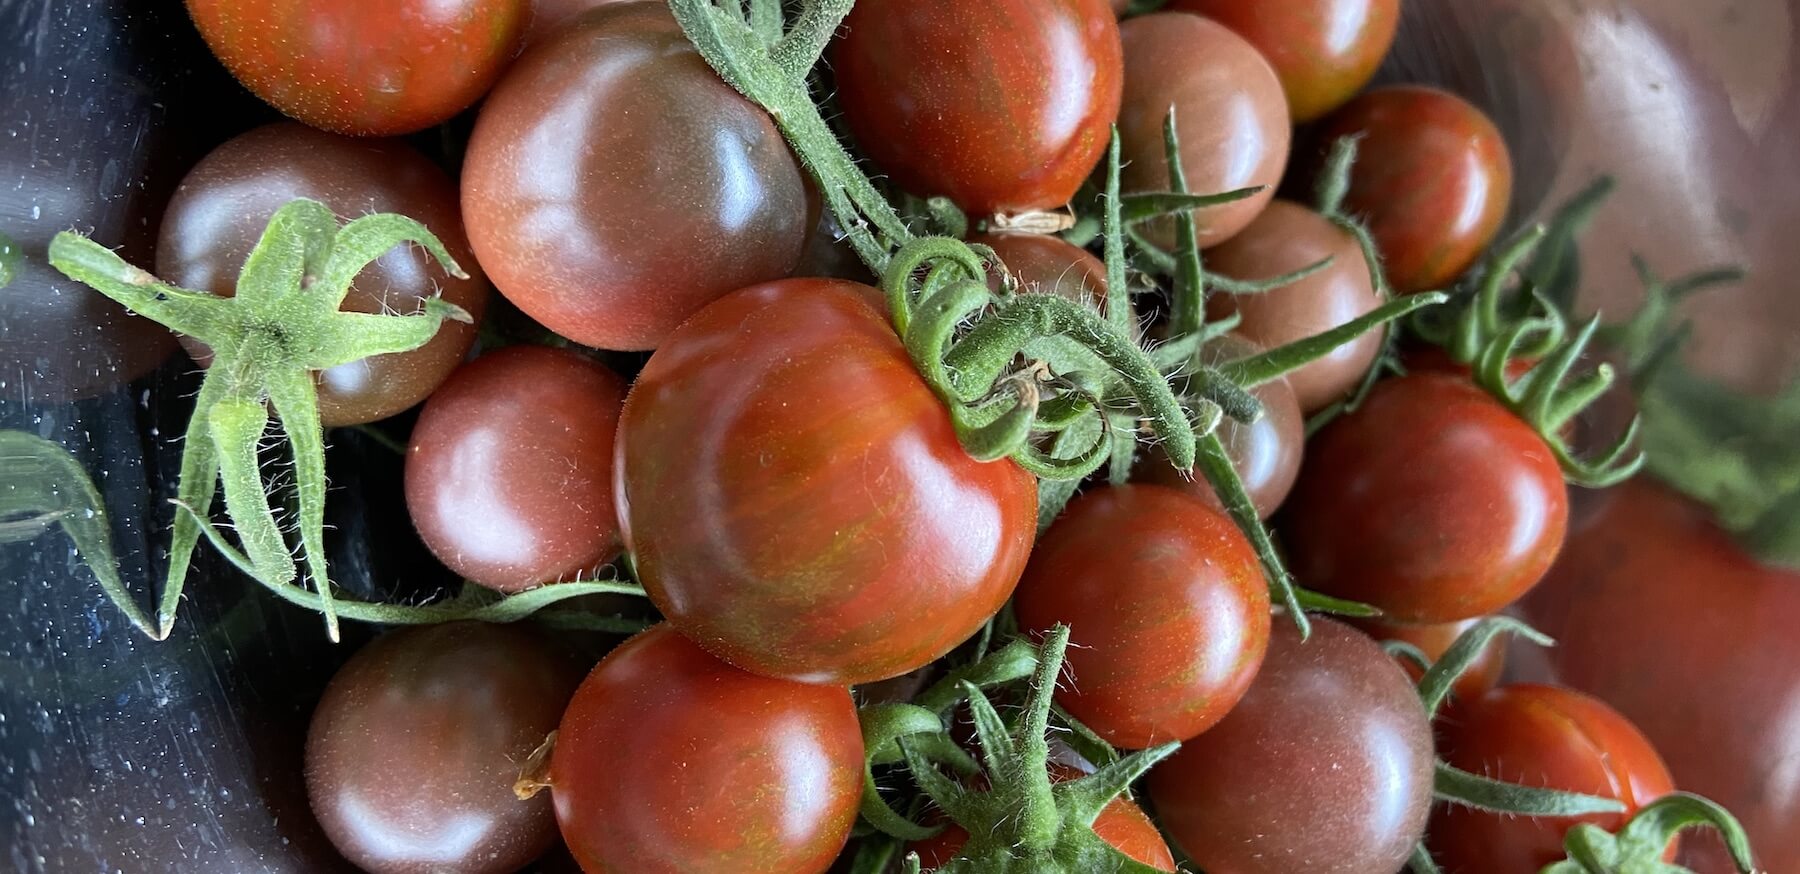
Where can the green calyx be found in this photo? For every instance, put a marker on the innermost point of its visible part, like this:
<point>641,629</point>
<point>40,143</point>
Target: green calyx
<point>1638,848</point>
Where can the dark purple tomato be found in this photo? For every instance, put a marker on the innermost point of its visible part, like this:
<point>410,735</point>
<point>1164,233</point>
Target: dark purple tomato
<point>795,495</point>
<point>1325,765</point>
<point>614,184</point>
<point>1323,50</point>
<point>1431,501</point>
<point>1288,237</point>
<point>1433,179</point>
<point>1230,112</point>
<point>509,475</point>
<point>1266,454</point>
<point>365,68</point>
<point>1003,106</point>
<point>670,761</point>
<point>414,749</point>
<point>1043,263</point>
<point>224,204</point>
<point>550,16</point>
<point>1167,609</point>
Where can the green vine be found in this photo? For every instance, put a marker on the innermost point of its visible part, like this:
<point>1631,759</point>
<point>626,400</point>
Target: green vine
<point>1638,848</point>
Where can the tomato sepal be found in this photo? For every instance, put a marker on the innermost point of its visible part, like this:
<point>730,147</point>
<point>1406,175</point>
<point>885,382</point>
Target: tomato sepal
<point>1457,786</point>
<point>1441,677</point>
<point>1642,843</point>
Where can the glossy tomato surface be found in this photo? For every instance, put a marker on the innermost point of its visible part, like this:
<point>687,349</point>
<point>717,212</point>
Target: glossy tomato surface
<point>614,184</point>
<point>1433,179</point>
<point>1287,237</point>
<point>361,68</point>
<point>1325,766</point>
<point>1047,264</point>
<point>550,16</point>
<point>796,498</point>
<point>1003,106</point>
<point>1230,113</point>
<point>1266,453</point>
<point>224,204</point>
<point>1121,824</point>
<point>670,761</point>
<point>509,475</point>
<point>1658,612</point>
<point>1167,609</point>
<point>1323,50</point>
<point>1430,501</point>
<point>1540,736</point>
<point>414,749</point>
<point>1435,640</point>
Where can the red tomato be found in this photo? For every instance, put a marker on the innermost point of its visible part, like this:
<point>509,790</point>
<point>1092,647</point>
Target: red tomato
<point>1433,359</point>
<point>796,498</point>
<point>614,185</point>
<point>1231,115</point>
<point>1658,612</point>
<point>223,205</point>
<point>1540,736</point>
<point>1167,609</point>
<point>550,16</point>
<point>509,476</point>
<point>1432,179</point>
<point>1121,824</point>
<point>1001,105</point>
<point>669,760</point>
<point>1326,765</point>
<point>362,68</point>
<point>1431,501</point>
<point>1434,641</point>
<point>1323,50</point>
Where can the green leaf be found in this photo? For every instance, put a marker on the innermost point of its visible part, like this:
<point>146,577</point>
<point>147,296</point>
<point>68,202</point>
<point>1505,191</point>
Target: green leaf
<point>1497,796</point>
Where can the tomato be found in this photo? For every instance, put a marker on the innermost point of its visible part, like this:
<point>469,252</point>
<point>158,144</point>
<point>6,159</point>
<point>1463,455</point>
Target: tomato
<point>1432,179</point>
<point>1435,640</point>
<point>1230,112</point>
<point>360,68</point>
<point>1287,237</point>
<point>1326,765</point>
<point>1431,501</point>
<point>1001,105</point>
<point>1323,50</point>
<point>1167,609</point>
<point>1658,612</point>
<point>1120,823</point>
<point>1540,736</point>
<point>796,498</point>
<point>414,749</point>
<point>1433,359</point>
<point>1048,264</point>
<point>614,185</point>
<point>669,760</point>
<point>509,475</point>
<point>550,16</point>
<point>222,207</point>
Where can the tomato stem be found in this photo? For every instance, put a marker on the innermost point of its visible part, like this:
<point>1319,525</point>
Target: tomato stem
<point>1641,844</point>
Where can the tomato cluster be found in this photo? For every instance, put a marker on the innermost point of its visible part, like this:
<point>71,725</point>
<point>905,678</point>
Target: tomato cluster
<point>799,474</point>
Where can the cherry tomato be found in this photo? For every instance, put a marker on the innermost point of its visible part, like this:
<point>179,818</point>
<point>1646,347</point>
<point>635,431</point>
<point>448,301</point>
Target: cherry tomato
<point>1658,612</point>
<point>1284,238</point>
<point>1120,823</point>
<point>1540,736</point>
<point>360,68</point>
<point>1430,501</point>
<point>509,475</point>
<point>1432,179</point>
<point>1167,609</point>
<point>796,498</point>
<point>1048,264</point>
<point>1323,50</point>
<point>1230,112</point>
<point>1433,359</point>
<point>669,760</point>
<point>1326,765</point>
<point>414,749</point>
<point>222,207</point>
<point>550,16</point>
<point>1434,641</point>
<point>615,185</point>
<point>1001,105</point>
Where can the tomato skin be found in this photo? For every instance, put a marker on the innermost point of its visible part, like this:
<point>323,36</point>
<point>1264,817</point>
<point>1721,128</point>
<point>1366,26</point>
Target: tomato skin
<point>1433,179</point>
<point>1323,50</point>
<point>414,748</point>
<point>1122,824</point>
<point>1231,114</point>
<point>224,204</point>
<point>615,185</point>
<point>1431,501</point>
<point>796,498</point>
<point>364,69</point>
<point>1050,265</point>
<point>1001,105</point>
<point>1325,766</point>
<point>1435,640</point>
<point>1540,736</point>
<point>767,773</point>
<point>550,16</point>
<point>1167,609</point>
<point>1288,237</point>
<point>509,475</point>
